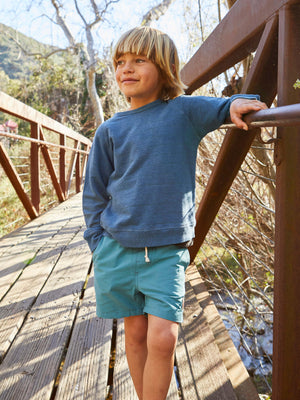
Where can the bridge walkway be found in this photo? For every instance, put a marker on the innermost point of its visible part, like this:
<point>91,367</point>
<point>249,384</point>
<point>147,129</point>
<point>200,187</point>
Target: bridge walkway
<point>52,345</point>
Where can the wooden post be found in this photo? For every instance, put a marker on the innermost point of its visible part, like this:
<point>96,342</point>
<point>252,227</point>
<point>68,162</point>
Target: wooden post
<point>51,169</point>
<point>35,167</point>
<point>15,180</point>
<point>62,164</point>
<point>77,172</point>
<point>286,353</point>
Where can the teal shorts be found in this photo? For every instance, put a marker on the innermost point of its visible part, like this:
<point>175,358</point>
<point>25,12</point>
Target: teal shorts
<point>127,283</point>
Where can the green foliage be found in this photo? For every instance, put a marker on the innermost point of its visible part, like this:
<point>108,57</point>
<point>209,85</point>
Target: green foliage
<point>297,84</point>
<point>53,88</point>
<point>11,209</point>
<point>260,384</point>
<point>265,397</point>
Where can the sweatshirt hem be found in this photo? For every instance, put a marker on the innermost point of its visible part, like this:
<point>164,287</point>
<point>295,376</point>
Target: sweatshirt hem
<point>163,237</point>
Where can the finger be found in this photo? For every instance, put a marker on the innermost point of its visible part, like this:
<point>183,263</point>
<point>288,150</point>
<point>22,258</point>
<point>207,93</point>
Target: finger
<point>260,105</point>
<point>239,123</point>
<point>248,107</point>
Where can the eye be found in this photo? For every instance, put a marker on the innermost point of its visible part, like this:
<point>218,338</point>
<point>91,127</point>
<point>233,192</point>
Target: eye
<point>120,62</point>
<point>140,60</point>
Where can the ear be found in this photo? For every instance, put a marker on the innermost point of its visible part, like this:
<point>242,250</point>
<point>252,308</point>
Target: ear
<point>173,68</point>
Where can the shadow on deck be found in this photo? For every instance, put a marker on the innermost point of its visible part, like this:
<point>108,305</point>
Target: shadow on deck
<point>54,347</point>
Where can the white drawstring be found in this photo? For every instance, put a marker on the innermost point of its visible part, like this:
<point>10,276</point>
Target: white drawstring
<point>147,259</point>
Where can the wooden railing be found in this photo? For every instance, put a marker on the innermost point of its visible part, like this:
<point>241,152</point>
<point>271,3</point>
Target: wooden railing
<point>271,29</point>
<point>47,137</point>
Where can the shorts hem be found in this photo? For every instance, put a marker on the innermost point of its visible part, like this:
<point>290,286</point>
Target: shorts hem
<point>174,317</point>
<point>114,315</point>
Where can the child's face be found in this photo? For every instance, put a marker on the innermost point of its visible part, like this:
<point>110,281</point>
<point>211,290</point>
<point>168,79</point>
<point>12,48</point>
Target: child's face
<point>139,79</point>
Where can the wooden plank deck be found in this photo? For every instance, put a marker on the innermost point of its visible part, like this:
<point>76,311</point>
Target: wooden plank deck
<point>52,345</point>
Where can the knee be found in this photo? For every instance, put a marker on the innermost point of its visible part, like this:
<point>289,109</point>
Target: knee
<point>163,342</point>
<point>135,332</point>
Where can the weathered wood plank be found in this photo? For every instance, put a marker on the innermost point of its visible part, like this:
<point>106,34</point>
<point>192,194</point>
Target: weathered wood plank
<point>15,238</point>
<point>239,377</point>
<point>29,241</point>
<point>85,371</point>
<point>201,370</point>
<point>69,208</point>
<point>31,364</point>
<point>17,303</point>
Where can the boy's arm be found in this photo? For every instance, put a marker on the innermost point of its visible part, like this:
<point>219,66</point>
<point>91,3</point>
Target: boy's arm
<point>242,106</point>
<point>95,196</point>
<point>208,113</point>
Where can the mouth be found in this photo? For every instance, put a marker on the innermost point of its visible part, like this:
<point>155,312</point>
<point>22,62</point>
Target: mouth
<point>129,80</point>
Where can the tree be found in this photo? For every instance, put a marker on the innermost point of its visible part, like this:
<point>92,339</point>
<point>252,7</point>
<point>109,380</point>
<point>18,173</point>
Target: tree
<point>88,52</point>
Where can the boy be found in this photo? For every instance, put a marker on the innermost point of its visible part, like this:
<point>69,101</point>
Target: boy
<point>139,196</point>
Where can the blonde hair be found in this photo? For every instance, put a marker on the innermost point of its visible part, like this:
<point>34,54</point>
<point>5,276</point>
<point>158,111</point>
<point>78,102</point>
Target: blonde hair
<point>160,49</point>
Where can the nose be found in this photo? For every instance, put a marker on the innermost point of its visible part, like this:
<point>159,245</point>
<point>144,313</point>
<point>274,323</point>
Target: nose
<point>128,66</point>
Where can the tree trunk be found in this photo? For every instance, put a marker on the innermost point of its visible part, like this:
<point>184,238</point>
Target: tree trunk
<point>93,95</point>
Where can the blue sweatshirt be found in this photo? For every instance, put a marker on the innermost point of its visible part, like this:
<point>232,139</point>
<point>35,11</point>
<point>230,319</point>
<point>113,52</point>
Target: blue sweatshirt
<point>140,179</point>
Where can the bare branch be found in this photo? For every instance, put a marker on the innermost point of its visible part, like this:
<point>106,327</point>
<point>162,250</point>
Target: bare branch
<point>62,23</point>
<point>36,54</point>
<point>200,20</point>
<point>79,13</point>
<point>100,15</point>
<point>219,11</point>
<point>156,12</point>
<point>95,8</point>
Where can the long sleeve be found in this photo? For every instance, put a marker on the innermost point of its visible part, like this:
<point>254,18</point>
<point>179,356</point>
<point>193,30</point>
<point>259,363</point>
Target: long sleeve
<point>208,113</point>
<point>95,196</point>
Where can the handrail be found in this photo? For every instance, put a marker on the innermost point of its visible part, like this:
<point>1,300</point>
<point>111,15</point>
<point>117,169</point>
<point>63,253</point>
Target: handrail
<point>20,110</point>
<point>272,117</point>
<point>40,142</point>
<point>39,124</point>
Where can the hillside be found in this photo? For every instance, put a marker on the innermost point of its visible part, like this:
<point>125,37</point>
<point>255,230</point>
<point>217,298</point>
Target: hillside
<point>13,61</point>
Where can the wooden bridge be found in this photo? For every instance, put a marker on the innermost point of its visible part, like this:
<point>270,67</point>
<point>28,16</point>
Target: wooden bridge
<point>52,346</point>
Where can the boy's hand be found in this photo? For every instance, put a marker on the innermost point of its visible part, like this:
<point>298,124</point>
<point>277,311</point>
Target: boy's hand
<point>241,106</point>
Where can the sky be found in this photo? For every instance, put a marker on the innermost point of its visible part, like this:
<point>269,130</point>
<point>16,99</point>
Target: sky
<point>33,18</point>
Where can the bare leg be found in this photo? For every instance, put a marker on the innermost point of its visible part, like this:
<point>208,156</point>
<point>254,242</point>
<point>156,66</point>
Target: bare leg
<point>161,341</point>
<point>136,349</point>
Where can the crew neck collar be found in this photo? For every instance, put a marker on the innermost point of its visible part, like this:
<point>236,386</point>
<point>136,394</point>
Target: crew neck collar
<point>139,109</point>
